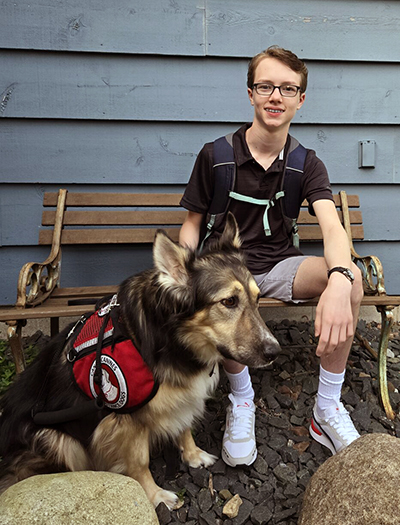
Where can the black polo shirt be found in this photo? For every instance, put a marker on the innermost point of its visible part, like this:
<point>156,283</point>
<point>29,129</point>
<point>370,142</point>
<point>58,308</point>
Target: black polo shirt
<point>262,252</point>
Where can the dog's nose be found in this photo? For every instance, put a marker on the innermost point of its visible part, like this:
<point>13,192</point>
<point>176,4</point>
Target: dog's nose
<point>272,348</point>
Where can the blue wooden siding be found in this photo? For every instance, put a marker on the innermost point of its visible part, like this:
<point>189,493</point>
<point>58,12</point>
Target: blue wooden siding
<point>101,96</point>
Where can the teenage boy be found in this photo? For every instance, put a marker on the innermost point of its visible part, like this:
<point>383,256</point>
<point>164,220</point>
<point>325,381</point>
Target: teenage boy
<point>276,85</point>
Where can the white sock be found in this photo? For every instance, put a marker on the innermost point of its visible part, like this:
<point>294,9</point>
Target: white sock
<point>329,389</point>
<point>241,384</point>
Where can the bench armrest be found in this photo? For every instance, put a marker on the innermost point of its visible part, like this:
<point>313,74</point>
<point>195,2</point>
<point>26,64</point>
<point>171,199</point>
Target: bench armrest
<point>372,272</point>
<point>37,280</point>
<point>370,266</point>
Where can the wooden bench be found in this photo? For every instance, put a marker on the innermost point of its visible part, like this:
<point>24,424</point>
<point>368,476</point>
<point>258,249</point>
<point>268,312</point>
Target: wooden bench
<point>71,218</point>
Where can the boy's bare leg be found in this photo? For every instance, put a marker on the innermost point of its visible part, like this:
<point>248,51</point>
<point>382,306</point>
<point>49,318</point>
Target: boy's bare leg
<point>335,324</point>
<point>311,281</point>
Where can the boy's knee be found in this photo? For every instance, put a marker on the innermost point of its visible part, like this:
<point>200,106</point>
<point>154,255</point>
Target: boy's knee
<point>357,293</point>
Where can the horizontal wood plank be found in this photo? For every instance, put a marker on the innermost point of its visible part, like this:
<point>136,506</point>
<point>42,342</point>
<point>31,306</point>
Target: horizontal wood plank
<point>343,30</point>
<point>313,233</point>
<point>110,87</point>
<point>368,300</point>
<point>87,199</point>
<point>146,235</point>
<point>107,236</point>
<point>80,199</point>
<point>81,292</point>
<point>61,308</point>
<point>115,217</point>
<point>124,154</point>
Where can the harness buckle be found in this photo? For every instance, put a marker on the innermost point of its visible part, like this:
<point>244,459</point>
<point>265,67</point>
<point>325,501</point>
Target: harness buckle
<point>108,307</point>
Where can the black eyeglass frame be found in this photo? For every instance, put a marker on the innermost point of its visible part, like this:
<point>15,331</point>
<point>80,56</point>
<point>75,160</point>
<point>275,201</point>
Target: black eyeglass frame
<point>255,86</point>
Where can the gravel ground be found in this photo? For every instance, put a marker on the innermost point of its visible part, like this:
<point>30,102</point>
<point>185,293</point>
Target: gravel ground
<point>271,490</point>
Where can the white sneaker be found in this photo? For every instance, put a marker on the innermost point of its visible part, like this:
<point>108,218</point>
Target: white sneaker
<point>239,441</point>
<point>335,429</point>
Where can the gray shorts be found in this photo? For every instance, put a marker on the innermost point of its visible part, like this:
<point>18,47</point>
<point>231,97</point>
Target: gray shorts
<point>278,283</point>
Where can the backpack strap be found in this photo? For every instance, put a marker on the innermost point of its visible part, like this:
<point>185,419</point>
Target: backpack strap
<point>224,168</point>
<point>291,186</point>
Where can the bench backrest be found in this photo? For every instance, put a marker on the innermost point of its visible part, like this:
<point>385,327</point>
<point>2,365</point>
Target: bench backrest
<point>113,218</point>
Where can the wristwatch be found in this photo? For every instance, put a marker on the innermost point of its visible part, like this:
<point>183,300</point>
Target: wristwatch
<point>345,271</point>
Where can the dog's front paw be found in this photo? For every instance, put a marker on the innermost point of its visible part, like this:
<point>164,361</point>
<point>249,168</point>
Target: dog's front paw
<point>165,496</point>
<point>198,458</point>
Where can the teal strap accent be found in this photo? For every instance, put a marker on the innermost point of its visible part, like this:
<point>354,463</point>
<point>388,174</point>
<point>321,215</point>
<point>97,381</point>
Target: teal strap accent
<point>209,231</point>
<point>295,234</point>
<point>251,200</point>
<point>268,203</point>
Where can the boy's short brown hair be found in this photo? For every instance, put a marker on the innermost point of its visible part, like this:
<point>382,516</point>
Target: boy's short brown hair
<point>283,55</point>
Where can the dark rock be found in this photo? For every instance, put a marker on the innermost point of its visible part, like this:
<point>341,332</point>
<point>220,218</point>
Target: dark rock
<point>310,385</point>
<point>200,476</point>
<point>204,500</point>
<point>286,473</point>
<point>163,514</point>
<point>260,465</point>
<point>261,515</point>
<point>207,518</point>
<point>271,457</point>
<point>362,415</point>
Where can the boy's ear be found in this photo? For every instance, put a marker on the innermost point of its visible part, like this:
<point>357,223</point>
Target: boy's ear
<point>302,99</point>
<point>230,236</point>
<point>250,94</point>
<point>170,260</point>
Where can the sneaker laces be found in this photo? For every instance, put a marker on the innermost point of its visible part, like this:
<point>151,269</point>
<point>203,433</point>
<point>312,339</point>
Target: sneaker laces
<point>339,419</point>
<point>240,418</point>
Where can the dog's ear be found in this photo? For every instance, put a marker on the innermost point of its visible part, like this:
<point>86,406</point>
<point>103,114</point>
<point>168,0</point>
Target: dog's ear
<point>170,259</point>
<point>230,235</point>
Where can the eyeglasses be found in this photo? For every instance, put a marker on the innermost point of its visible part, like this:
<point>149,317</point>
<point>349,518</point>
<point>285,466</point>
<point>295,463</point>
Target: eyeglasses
<point>265,90</point>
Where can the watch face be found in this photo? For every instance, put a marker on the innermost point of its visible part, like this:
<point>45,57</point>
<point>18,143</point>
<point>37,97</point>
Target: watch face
<point>349,274</point>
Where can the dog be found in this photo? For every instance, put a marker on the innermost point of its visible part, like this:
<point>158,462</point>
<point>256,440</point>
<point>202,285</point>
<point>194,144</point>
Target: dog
<point>186,314</point>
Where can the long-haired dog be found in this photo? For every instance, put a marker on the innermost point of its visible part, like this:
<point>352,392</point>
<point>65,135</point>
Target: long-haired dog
<point>185,315</point>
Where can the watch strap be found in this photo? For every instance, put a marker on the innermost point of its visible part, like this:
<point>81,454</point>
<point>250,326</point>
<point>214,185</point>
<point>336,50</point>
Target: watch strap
<point>344,271</point>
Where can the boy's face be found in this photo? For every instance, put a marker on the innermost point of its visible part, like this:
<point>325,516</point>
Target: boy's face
<point>275,111</point>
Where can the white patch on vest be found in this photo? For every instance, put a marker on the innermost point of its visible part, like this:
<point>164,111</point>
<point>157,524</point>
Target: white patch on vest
<point>113,383</point>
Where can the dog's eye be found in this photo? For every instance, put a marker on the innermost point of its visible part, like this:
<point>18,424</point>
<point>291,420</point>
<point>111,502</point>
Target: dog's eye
<point>231,302</point>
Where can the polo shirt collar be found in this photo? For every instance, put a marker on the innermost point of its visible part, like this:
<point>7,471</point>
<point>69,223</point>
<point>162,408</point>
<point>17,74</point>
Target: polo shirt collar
<point>242,152</point>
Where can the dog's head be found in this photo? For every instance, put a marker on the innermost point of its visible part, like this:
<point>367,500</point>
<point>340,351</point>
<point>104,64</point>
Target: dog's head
<point>221,297</point>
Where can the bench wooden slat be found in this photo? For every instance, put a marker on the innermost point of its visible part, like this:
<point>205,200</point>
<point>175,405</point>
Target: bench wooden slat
<point>116,217</point>
<point>352,200</point>
<point>115,199</point>
<point>368,300</point>
<point>146,235</point>
<point>313,233</point>
<point>107,236</point>
<point>142,199</point>
<point>60,308</point>
<point>84,291</point>
<point>306,218</point>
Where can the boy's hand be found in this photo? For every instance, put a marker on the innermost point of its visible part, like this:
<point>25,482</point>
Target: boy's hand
<point>334,319</point>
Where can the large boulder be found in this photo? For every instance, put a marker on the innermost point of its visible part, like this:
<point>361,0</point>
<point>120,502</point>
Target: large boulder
<point>77,498</point>
<point>358,486</point>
